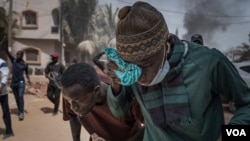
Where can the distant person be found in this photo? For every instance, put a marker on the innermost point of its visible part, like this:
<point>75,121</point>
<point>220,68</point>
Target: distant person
<point>197,38</point>
<point>74,61</point>
<point>86,97</point>
<point>53,72</point>
<point>19,68</point>
<point>4,72</point>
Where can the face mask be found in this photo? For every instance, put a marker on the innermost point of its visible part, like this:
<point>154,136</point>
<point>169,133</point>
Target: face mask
<point>162,72</point>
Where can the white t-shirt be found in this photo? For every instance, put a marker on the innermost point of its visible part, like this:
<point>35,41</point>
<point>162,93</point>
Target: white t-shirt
<point>4,72</point>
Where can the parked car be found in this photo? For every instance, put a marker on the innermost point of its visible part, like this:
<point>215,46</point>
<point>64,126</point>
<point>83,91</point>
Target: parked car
<point>244,70</point>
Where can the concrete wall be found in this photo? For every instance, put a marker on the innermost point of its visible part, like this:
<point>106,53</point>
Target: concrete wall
<point>45,20</point>
<point>47,47</point>
<point>41,37</point>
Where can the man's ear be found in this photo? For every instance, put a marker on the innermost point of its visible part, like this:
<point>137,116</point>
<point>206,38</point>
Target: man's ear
<point>170,38</point>
<point>97,90</point>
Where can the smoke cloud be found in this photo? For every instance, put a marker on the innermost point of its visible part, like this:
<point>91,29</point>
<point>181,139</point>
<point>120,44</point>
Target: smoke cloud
<point>206,17</point>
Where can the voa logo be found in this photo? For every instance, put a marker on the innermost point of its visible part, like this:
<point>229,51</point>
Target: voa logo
<point>236,132</point>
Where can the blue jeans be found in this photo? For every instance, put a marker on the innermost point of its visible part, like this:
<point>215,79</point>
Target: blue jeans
<point>6,113</point>
<point>18,91</point>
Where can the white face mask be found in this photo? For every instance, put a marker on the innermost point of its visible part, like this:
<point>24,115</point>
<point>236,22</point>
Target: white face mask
<point>162,72</point>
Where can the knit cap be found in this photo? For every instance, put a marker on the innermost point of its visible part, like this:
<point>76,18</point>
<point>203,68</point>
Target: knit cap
<point>141,32</point>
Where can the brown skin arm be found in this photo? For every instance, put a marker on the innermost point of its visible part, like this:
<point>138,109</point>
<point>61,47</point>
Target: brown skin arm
<point>220,138</point>
<point>1,86</point>
<point>27,75</point>
<point>115,81</point>
<point>48,76</point>
<point>47,72</point>
<point>138,136</point>
<point>97,62</point>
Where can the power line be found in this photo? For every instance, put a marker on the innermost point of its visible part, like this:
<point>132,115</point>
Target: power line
<point>184,13</point>
<point>164,10</point>
<point>216,16</point>
<point>200,24</point>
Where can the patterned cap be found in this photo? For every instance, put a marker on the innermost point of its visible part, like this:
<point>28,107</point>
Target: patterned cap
<point>137,41</point>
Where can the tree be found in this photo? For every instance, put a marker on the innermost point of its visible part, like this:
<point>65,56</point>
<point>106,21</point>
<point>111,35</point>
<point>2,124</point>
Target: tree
<point>102,26</point>
<point>243,52</point>
<point>4,26</point>
<point>101,31</point>
<point>75,16</point>
<point>3,20</point>
<point>88,26</point>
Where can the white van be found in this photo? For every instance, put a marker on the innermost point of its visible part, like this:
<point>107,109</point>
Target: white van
<point>244,70</point>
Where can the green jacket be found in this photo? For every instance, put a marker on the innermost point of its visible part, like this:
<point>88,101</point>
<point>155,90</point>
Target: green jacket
<point>193,92</point>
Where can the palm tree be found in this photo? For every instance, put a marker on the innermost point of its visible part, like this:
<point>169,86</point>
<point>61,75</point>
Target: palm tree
<point>102,26</point>
<point>244,52</point>
<point>4,26</point>
<point>100,34</point>
<point>3,21</point>
<point>87,26</point>
<point>76,15</point>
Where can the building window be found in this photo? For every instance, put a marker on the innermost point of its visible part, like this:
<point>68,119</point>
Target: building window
<point>29,19</point>
<point>55,16</point>
<point>54,29</point>
<point>32,55</point>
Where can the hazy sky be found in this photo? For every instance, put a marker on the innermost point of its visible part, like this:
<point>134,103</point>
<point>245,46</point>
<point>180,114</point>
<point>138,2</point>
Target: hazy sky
<point>223,23</point>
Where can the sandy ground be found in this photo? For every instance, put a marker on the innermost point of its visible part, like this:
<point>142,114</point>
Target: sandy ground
<point>40,125</point>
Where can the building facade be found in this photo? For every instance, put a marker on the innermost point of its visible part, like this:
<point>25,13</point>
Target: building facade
<point>39,32</point>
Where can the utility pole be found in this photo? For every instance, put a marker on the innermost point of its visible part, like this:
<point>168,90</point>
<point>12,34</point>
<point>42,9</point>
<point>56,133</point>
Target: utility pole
<point>10,23</point>
<point>61,34</point>
<point>10,29</point>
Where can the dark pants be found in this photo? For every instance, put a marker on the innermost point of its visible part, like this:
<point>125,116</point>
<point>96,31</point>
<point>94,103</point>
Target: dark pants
<point>75,126</point>
<point>53,94</point>
<point>18,91</point>
<point>6,113</point>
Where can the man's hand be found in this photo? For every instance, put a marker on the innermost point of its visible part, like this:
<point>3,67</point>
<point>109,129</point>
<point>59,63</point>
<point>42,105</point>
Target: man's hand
<point>108,70</point>
<point>220,138</point>
<point>29,82</point>
<point>1,87</point>
<point>95,137</point>
<point>48,77</point>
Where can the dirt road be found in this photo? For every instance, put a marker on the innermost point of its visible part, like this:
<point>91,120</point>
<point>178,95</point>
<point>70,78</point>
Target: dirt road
<point>40,125</point>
